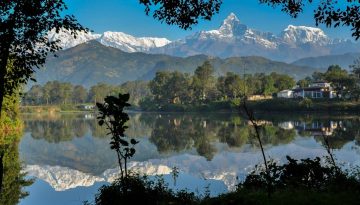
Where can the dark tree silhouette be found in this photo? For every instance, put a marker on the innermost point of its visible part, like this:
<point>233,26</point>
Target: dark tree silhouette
<point>329,13</point>
<point>186,13</point>
<point>23,42</point>
<point>24,23</point>
<point>112,115</point>
<point>180,12</point>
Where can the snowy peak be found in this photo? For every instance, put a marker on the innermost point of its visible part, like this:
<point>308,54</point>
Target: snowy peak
<point>302,34</point>
<point>130,43</point>
<point>232,26</point>
<point>67,40</point>
<point>230,29</point>
<point>234,32</point>
<point>118,40</point>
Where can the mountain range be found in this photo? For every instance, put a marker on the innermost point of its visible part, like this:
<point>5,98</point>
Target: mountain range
<point>119,40</point>
<point>116,57</point>
<point>92,62</point>
<point>323,62</point>
<point>231,39</point>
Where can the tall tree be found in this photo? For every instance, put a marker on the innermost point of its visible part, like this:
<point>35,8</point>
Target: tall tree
<point>355,68</point>
<point>99,91</point>
<point>203,81</point>
<point>23,38</point>
<point>268,86</point>
<point>158,84</point>
<point>282,81</point>
<point>177,87</point>
<point>79,94</point>
<point>355,93</point>
<point>234,86</point>
<point>339,78</point>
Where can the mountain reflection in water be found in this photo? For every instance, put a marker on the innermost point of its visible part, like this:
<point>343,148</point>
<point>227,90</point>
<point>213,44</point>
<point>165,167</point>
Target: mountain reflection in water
<point>71,151</point>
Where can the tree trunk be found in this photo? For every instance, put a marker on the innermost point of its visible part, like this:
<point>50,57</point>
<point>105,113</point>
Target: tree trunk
<point>3,71</point>
<point>5,42</point>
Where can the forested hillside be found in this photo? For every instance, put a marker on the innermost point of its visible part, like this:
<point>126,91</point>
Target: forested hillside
<point>90,63</point>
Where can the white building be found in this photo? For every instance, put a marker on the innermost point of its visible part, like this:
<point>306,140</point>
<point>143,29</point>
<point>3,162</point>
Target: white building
<point>315,90</point>
<point>285,94</point>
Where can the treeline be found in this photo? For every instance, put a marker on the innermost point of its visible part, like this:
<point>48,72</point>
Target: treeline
<point>58,93</point>
<point>346,84</point>
<point>169,88</point>
<point>203,87</point>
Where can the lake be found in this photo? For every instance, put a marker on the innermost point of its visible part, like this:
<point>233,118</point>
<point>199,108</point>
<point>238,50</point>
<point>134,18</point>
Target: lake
<point>69,155</point>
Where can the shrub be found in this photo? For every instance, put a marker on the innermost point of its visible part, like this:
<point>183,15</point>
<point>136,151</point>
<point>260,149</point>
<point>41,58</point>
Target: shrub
<point>141,190</point>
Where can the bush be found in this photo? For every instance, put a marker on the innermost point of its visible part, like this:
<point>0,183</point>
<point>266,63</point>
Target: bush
<point>140,190</point>
<point>308,181</point>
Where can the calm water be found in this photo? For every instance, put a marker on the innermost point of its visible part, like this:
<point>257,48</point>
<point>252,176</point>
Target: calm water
<point>69,156</point>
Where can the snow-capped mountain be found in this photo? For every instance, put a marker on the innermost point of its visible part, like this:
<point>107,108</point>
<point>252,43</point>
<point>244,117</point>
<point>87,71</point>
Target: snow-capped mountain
<point>130,43</point>
<point>225,166</point>
<point>301,35</point>
<point>234,38</point>
<point>233,31</point>
<point>67,40</point>
<point>122,41</point>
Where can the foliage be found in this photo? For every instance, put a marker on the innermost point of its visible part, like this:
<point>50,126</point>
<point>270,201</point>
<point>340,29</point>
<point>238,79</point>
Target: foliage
<point>182,13</point>
<point>306,181</point>
<point>13,179</point>
<point>112,115</point>
<point>186,13</point>
<point>55,130</point>
<point>306,102</point>
<point>142,190</point>
<point>9,120</point>
<point>303,83</point>
<point>330,13</point>
<point>55,93</point>
<point>110,65</point>
<point>202,88</point>
<point>23,42</point>
<point>203,82</point>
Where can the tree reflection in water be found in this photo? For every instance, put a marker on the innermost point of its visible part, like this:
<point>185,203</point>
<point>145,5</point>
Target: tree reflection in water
<point>185,132</point>
<point>14,181</point>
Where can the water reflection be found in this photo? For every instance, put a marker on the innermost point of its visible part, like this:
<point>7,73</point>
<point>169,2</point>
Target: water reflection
<point>13,180</point>
<point>71,151</point>
<point>175,133</point>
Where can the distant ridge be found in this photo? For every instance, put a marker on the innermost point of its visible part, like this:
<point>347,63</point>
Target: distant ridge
<point>92,62</point>
<point>323,62</point>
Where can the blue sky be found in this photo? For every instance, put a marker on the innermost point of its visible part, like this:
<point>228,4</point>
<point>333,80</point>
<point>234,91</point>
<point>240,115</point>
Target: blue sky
<point>128,16</point>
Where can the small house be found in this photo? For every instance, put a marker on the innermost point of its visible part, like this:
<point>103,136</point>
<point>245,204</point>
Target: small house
<point>315,90</point>
<point>285,94</point>
<point>86,107</point>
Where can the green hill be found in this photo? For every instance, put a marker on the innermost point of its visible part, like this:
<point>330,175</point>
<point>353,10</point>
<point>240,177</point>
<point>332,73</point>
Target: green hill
<point>323,62</point>
<point>92,62</point>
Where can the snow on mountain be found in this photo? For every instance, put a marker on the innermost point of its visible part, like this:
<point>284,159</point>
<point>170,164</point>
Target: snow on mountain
<point>118,40</point>
<point>234,38</point>
<point>302,34</point>
<point>67,40</point>
<point>130,43</point>
<point>62,178</point>
<point>225,166</point>
<point>233,31</point>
